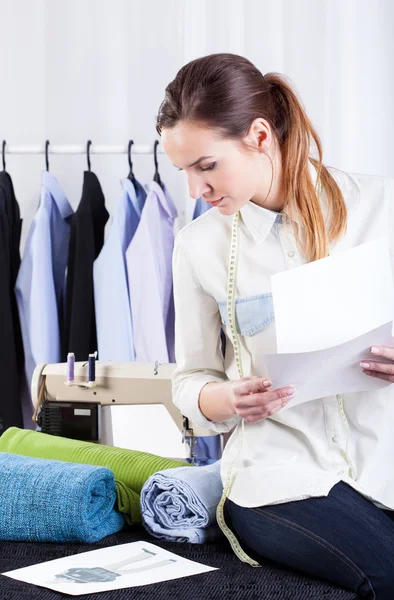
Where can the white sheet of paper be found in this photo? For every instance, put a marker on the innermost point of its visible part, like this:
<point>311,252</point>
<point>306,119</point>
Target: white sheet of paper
<point>330,371</point>
<point>335,299</point>
<point>147,564</point>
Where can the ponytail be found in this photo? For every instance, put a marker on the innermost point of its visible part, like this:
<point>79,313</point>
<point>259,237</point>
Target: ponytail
<point>295,132</point>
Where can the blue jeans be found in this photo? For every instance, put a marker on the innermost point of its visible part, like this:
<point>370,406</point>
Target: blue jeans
<point>343,538</point>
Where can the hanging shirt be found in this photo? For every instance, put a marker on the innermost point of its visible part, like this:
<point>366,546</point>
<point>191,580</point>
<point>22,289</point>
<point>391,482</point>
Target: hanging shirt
<point>200,208</point>
<point>12,212</point>
<point>299,452</point>
<point>111,290</point>
<point>40,284</point>
<point>11,348</point>
<point>149,258</point>
<point>86,241</point>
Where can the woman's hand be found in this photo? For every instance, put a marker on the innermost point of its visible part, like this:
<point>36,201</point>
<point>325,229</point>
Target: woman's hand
<point>253,399</point>
<point>381,370</point>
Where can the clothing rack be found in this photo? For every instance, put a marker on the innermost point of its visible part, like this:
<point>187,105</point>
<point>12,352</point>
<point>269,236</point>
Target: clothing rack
<point>81,149</point>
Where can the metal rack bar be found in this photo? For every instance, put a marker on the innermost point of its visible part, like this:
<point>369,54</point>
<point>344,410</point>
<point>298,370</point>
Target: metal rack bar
<point>81,149</point>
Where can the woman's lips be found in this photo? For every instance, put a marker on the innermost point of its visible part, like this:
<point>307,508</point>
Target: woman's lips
<point>216,202</point>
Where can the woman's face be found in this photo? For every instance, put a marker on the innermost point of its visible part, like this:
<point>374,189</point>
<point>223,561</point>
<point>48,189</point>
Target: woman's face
<point>223,171</point>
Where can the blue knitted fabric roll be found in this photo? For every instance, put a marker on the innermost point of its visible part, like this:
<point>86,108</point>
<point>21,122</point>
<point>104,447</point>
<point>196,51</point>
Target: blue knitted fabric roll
<point>53,501</point>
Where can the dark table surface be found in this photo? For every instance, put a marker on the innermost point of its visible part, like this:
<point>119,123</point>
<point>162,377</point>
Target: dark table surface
<point>234,579</point>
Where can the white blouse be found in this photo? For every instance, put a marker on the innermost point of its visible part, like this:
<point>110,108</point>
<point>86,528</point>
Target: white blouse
<point>300,452</point>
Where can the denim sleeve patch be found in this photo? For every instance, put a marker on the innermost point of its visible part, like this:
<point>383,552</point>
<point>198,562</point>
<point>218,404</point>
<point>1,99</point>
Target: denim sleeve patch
<point>253,313</point>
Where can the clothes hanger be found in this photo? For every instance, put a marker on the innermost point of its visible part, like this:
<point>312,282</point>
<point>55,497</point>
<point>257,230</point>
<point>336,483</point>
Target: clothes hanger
<point>156,177</point>
<point>131,174</point>
<point>46,154</point>
<point>88,154</point>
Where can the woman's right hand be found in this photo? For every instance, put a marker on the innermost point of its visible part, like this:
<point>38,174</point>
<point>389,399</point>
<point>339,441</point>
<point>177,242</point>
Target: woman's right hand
<point>253,399</point>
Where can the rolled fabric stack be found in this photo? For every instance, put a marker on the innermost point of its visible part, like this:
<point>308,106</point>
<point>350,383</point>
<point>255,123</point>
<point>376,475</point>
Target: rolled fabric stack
<point>54,501</point>
<point>180,504</point>
<point>131,468</point>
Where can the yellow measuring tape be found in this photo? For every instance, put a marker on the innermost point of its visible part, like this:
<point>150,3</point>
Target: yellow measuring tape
<point>232,273</point>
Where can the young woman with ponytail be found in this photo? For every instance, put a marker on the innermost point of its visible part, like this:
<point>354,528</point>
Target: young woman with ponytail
<point>312,488</point>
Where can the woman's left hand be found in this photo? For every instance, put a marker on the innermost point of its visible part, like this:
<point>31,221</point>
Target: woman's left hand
<point>381,370</point>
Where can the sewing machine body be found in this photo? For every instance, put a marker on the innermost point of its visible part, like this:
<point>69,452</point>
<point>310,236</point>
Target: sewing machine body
<point>120,384</point>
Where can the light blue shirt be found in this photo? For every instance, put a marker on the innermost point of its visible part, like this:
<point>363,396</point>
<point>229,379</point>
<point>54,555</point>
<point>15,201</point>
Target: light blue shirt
<point>40,284</point>
<point>111,291</point>
<point>149,268</point>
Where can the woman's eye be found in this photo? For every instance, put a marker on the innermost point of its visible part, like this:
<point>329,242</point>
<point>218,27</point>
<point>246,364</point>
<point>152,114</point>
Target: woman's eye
<point>210,168</point>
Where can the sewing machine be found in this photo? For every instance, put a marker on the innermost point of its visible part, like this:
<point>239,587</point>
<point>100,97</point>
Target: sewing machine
<point>81,409</point>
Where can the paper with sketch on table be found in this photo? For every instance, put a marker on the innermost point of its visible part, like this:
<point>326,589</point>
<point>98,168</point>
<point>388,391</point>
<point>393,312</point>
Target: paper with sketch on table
<point>112,568</point>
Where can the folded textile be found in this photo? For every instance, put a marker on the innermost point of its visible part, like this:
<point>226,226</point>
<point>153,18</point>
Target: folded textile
<point>180,504</point>
<point>54,501</point>
<point>130,467</point>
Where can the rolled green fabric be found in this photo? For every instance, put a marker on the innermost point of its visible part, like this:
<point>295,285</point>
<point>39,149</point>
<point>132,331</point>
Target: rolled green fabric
<point>131,468</point>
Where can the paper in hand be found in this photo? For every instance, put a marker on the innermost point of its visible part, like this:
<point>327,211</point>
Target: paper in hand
<point>330,371</point>
<point>335,299</point>
<point>327,316</point>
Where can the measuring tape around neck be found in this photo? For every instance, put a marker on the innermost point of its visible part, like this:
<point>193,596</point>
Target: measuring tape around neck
<point>232,273</point>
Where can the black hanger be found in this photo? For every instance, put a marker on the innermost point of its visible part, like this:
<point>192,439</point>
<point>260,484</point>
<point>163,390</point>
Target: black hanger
<point>46,154</point>
<point>4,143</point>
<point>131,174</point>
<point>88,153</point>
<point>156,177</point>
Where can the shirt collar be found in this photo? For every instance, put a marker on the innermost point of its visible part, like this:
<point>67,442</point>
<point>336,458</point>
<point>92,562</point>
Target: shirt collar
<point>259,220</point>
<point>163,197</point>
<point>135,192</point>
<point>51,184</point>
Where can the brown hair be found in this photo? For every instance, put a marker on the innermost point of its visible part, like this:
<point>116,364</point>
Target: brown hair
<point>227,92</point>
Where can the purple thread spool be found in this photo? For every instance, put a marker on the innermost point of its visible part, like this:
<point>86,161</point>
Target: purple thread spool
<point>92,367</point>
<point>70,366</point>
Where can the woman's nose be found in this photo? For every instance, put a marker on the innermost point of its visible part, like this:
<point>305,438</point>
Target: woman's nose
<point>197,187</point>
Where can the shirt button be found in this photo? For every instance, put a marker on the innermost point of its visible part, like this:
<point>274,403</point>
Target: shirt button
<point>335,439</point>
<point>291,254</point>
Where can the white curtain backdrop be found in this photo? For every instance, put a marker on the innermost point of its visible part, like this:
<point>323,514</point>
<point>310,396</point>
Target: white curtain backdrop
<point>73,70</point>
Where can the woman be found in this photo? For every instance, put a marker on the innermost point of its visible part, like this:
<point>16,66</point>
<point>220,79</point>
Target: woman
<point>297,495</point>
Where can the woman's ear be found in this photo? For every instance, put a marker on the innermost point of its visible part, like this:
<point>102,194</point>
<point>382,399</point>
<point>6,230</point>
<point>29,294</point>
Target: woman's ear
<point>259,136</point>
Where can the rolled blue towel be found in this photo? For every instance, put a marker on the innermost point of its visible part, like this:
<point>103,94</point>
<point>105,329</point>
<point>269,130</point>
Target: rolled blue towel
<point>54,501</point>
<point>180,504</point>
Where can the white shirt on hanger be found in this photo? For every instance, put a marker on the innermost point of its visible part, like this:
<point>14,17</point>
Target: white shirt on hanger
<point>299,452</point>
